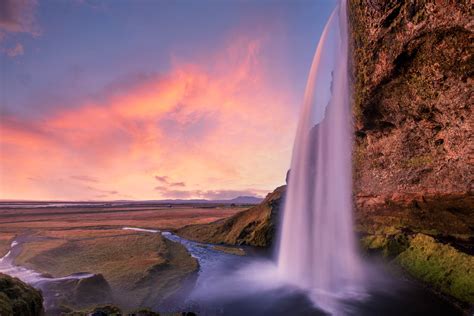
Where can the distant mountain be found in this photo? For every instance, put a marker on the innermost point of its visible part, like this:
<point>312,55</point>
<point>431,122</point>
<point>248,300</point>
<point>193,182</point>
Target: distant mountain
<point>245,200</point>
<point>240,200</point>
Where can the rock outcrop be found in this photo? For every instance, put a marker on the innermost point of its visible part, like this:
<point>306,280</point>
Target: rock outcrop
<point>18,298</point>
<point>413,158</point>
<point>62,295</point>
<point>254,227</point>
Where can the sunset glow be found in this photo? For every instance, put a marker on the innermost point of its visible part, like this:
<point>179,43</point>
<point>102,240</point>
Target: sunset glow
<point>215,125</point>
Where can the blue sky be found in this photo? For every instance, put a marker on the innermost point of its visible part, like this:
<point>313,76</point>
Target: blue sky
<point>62,56</point>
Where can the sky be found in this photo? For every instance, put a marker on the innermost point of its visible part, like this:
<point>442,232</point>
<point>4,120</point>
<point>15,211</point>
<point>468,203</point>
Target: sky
<point>151,99</point>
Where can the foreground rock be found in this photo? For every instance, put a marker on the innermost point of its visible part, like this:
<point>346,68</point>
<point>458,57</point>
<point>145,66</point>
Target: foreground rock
<point>18,298</point>
<point>111,310</point>
<point>63,295</point>
<point>254,227</point>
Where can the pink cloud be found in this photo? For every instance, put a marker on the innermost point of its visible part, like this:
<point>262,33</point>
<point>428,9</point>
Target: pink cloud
<point>18,16</point>
<point>222,120</point>
<point>15,51</point>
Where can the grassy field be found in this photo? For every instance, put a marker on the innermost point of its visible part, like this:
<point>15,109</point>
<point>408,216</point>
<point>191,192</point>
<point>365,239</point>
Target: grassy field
<point>141,268</point>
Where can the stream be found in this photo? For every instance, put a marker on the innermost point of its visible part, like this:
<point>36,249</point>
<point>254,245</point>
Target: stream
<point>228,284</point>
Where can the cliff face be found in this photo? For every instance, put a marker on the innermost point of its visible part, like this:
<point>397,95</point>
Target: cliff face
<point>413,158</point>
<point>18,298</point>
<point>254,227</point>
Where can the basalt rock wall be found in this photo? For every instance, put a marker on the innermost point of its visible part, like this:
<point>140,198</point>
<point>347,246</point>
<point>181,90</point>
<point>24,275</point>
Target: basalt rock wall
<point>412,73</point>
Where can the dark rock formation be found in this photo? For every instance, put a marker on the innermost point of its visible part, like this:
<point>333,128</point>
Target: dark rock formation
<point>413,69</point>
<point>62,295</point>
<point>18,298</point>
<point>92,290</point>
<point>254,226</point>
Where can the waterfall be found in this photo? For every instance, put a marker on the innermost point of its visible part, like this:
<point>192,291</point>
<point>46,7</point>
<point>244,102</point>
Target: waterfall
<point>317,247</point>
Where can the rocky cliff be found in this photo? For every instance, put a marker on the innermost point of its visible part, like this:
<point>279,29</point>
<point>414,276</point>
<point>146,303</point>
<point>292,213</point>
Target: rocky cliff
<point>412,70</point>
<point>254,226</point>
<point>413,157</point>
<point>18,298</point>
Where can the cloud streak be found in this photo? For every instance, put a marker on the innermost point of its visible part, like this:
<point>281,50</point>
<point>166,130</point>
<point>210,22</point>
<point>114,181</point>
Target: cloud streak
<point>85,178</point>
<point>15,51</point>
<point>18,16</point>
<point>208,194</point>
<point>165,180</point>
<point>216,125</point>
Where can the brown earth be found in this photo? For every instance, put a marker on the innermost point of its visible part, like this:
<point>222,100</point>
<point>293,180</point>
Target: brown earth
<point>133,269</point>
<point>413,157</point>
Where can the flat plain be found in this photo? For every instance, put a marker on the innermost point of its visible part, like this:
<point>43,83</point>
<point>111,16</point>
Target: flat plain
<point>138,268</point>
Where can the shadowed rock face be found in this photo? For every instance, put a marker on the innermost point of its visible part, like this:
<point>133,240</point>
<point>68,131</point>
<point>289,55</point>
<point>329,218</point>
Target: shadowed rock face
<point>61,295</point>
<point>18,298</point>
<point>412,71</point>
<point>254,226</point>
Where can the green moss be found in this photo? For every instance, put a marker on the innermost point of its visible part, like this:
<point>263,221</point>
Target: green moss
<point>389,244</point>
<point>18,298</point>
<point>109,310</point>
<point>374,242</point>
<point>419,161</point>
<point>144,312</point>
<point>446,269</point>
<point>5,305</point>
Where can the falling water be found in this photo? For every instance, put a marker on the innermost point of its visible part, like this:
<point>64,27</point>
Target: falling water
<point>317,246</point>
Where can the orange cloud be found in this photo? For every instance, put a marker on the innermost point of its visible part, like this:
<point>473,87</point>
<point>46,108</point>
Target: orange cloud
<point>216,126</point>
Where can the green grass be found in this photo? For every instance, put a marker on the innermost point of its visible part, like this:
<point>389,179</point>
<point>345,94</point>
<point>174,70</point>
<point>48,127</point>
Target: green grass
<point>442,266</point>
<point>138,266</point>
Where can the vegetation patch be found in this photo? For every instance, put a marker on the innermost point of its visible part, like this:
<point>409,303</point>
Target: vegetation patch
<point>18,298</point>
<point>442,266</point>
<point>138,266</point>
<point>419,161</point>
<point>5,242</point>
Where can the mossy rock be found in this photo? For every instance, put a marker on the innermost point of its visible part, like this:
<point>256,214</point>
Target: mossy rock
<point>442,266</point>
<point>18,298</point>
<point>105,310</point>
<point>390,244</point>
<point>144,312</point>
